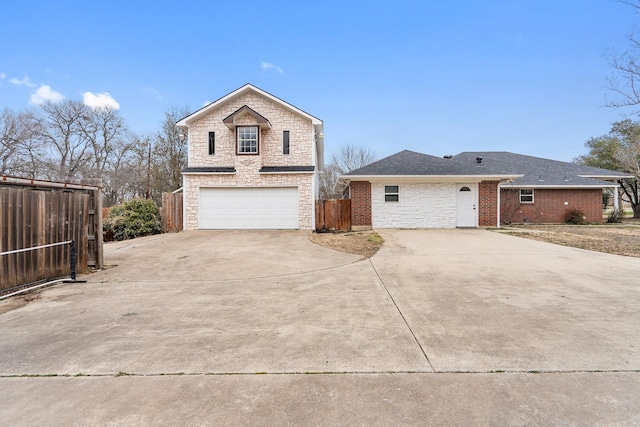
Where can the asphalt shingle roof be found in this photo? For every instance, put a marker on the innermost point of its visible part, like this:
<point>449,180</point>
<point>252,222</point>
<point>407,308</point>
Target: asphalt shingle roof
<point>410,163</point>
<point>538,171</point>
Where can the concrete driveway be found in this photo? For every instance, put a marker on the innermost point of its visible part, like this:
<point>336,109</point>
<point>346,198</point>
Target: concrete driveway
<point>441,327</point>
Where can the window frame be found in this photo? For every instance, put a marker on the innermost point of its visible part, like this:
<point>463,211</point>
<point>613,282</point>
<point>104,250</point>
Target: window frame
<point>390,195</point>
<point>286,142</point>
<point>212,143</point>
<point>529,193</point>
<point>240,141</point>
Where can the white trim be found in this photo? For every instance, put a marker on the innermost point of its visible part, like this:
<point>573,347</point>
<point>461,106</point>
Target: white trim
<point>606,176</point>
<point>472,179</point>
<point>562,187</point>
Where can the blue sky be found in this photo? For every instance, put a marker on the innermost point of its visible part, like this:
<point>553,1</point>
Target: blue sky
<point>438,77</point>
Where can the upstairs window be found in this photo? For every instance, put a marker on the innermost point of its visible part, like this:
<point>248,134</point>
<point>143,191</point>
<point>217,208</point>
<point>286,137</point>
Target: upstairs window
<point>526,195</point>
<point>391,193</point>
<point>212,143</point>
<point>247,139</point>
<point>285,142</point>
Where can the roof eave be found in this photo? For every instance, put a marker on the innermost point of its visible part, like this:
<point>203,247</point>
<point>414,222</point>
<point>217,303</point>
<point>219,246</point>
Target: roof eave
<point>429,178</point>
<point>562,187</point>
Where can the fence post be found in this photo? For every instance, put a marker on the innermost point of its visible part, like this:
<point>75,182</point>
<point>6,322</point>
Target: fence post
<point>72,260</point>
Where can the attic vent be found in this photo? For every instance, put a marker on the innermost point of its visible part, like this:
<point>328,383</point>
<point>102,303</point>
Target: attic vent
<point>478,160</point>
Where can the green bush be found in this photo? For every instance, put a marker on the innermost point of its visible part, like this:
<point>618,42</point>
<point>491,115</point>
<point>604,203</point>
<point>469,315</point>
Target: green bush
<point>575,217</point>
<point>135,218</point>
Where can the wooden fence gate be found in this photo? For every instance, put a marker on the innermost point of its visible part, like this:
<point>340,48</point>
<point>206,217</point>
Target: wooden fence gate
<point>37,213</point>
<point>333,215</point>
<point>171,212</point>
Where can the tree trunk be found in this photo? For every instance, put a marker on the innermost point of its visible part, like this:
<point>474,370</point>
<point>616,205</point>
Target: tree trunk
<point>636,210</point>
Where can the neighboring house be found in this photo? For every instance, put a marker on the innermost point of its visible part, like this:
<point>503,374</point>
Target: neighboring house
<point>414,190</point>
<point>253,163</point>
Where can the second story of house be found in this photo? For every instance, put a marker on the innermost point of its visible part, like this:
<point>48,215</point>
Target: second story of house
<point>252,127</point>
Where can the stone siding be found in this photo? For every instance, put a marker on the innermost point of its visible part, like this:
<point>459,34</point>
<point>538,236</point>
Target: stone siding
<point>270,140</point>
<point>301,149</point>
<point>304,182</point>
<point>419,206</point>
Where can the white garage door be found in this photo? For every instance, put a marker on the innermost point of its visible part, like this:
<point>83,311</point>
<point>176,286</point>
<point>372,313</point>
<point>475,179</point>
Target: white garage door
<point>248,208</point>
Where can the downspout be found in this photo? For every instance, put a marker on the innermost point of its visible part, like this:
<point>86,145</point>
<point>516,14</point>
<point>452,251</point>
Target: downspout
<point>498,207</point>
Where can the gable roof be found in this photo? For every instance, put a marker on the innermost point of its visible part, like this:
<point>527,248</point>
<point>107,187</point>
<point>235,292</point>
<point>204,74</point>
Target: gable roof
<point>184,122</point>
<point>412,164</point>
<point>541,172</point>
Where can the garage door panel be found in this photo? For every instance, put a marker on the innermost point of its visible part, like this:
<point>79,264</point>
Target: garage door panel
<point>248,208</point>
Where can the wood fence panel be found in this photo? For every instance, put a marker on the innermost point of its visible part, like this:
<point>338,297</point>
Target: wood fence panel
<point>29,218</point>
<point>333,215</point>
<point>171,212</point>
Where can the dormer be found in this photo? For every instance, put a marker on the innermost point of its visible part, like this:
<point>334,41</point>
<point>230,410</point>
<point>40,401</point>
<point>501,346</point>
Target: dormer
<point>231,121</point>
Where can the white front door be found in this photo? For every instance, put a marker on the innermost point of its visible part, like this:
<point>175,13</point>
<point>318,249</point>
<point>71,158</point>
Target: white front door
<point>466,200</point>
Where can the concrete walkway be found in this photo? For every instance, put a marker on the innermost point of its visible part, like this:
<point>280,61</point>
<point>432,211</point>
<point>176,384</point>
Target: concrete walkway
<point>441,327</point>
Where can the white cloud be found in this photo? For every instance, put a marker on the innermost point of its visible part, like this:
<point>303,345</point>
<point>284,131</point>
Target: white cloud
<point>23,82</point>
<point>100,100</point>
<point>45,94</point>
<point>268,66</point>
<point>3,76</point>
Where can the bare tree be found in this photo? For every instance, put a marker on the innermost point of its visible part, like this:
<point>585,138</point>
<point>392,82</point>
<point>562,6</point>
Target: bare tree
<point>348,158</point>
<point>169,155</point>
<point>104,131</point>
<point>328,178</point>
<point>63,133</point>
<point>19,147</point>
<point>351,157</point>
<point>625,80</point>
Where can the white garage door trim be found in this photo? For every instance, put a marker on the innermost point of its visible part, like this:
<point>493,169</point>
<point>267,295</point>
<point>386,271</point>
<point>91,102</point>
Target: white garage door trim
<point>257,208</point>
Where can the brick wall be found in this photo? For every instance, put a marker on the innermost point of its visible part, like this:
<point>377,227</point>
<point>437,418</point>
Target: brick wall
<point>488,203</point>
<point>550,205</point>
<point>360,203</point>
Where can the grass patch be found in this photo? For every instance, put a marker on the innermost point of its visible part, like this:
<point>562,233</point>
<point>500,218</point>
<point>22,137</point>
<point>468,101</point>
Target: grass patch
<point>365,243</point>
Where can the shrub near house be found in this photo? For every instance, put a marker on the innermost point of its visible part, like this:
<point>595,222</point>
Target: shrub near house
<point>135,218</point>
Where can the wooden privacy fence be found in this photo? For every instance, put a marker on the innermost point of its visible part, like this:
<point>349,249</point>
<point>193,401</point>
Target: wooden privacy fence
<point>43,213</point>
<point>171,212</point>
<point>333,215</point>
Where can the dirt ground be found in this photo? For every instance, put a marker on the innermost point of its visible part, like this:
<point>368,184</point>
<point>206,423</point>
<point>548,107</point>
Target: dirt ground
<point>619,239</point>
<point>365,243</point>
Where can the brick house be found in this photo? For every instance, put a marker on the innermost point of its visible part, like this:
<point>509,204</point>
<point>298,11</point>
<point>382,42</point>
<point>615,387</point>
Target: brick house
<point>414,190</point>
<point>253,163</point>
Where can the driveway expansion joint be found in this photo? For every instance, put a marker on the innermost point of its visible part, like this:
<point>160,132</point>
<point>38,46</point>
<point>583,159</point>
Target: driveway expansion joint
<point>302,373</point>
<point>402,315</point>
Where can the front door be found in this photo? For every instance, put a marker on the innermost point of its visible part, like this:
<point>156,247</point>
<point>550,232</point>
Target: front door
<point>466,205</point>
